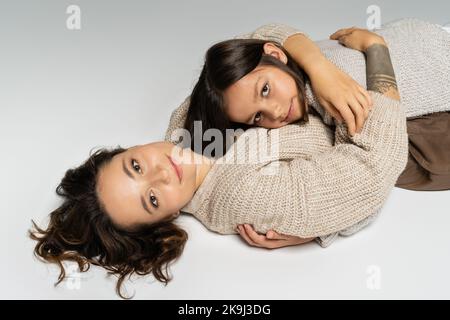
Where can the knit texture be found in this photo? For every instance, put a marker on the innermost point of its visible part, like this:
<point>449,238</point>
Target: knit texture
<point>312,191</point>
<point>318,138</point>
<point>420,55</point>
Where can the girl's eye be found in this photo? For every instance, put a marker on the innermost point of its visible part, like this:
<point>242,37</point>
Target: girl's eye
<point>136,166</point>
<point>153,200</point>
<point>257,117</point>
<point>268,89</point>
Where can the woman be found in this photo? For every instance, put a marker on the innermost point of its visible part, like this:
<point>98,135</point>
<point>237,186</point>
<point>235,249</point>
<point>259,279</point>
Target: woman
<point>120,205</point>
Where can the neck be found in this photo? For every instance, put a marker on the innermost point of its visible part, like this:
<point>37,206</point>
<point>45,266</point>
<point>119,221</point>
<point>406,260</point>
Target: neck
<point>202,168</point>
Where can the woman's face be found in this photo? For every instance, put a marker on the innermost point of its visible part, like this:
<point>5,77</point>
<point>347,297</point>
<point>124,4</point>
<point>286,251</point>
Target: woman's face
<point>266,97</point>
<point>145,184</point>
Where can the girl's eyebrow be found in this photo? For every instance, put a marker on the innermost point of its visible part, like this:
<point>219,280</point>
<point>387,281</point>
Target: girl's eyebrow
<point>249,120</point>
<point>255,95</point>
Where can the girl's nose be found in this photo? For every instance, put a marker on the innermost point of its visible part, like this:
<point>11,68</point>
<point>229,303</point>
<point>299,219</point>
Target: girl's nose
<point>277,113</point>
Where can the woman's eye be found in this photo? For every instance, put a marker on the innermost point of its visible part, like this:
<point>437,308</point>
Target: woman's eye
<point>263,89</point>
<point>153,200</point>
<point>257,117</point>
<point>136,166</point>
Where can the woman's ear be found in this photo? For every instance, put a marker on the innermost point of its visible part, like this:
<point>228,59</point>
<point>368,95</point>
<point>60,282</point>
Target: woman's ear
<point>273,50</point>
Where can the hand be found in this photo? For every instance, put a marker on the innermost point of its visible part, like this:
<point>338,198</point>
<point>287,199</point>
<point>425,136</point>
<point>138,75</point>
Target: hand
<point>357,38</point>
<point>340,95</point>
<point>271,240</point>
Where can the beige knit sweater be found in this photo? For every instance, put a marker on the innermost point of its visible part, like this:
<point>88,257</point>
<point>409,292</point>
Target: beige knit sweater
<point>326,186</point>
<point>325,182</point>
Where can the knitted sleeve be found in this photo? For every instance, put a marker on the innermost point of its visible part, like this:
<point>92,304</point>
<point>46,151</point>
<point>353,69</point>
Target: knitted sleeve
<point>321,194</point>
<point>271,32</point>
<point>277,32</point>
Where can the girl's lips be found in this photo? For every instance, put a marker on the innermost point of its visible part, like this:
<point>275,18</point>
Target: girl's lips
<point>177,168</point>
<point>288,117</point>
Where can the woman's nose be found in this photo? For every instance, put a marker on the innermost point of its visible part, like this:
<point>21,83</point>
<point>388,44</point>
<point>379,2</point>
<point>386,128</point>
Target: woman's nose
<point>160,175</point>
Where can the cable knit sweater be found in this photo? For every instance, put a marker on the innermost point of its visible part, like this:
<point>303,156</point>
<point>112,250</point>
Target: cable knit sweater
<point>344,206</point>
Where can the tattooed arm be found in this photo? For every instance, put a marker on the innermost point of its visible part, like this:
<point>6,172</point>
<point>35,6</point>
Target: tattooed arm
<point>379,70</point>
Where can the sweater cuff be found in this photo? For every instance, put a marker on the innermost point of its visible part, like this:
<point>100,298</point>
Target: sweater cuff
<point>276,32</point>
<point>279,32</point>
<point>325,241</point>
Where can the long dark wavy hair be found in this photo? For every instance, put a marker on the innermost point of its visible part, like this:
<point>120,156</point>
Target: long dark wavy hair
<point>225,63</point>
<point>80,230</point>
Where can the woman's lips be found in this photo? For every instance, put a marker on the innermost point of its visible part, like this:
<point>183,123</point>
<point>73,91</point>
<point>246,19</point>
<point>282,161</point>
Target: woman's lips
<point>177,168</point>
<point>289,115</point>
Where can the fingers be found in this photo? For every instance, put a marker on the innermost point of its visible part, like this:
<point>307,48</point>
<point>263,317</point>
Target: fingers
<point>271,234</point>
<point>246,237</point>
<point>365,102</point>
<point>276,240</point>
<point>343,40</point>
<point>341,32</point>
<point>362,100</point>
<point>257,240</point>
<point>333,111</point>
<point>349,117</point>
<point>366,95</point>
<point>358,111</point>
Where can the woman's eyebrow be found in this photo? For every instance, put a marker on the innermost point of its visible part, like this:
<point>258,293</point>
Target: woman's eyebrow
<point>128,173</point>
<point>144,204</point>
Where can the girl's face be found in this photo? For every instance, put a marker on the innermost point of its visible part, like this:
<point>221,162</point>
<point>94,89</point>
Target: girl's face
<point>145,184</point>
<point>266,97</point>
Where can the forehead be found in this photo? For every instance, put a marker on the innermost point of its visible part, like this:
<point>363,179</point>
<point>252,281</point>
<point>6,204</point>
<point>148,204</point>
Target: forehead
<point>242,91</point>
<point>116,191</point>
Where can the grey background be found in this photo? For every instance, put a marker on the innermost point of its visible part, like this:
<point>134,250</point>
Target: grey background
<point>115,82</point>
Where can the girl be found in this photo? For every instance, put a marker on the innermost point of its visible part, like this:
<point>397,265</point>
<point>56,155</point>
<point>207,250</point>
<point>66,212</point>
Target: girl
<point>224,96</point>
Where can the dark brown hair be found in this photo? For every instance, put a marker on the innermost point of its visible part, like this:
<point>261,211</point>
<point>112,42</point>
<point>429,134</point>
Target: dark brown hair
<point>80,230</point>
<point>225,63</point>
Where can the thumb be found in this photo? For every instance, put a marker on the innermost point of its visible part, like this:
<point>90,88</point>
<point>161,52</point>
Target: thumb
<point>271,234</point>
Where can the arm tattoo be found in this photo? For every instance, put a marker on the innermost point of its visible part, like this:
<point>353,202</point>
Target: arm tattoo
<point>379,71</point>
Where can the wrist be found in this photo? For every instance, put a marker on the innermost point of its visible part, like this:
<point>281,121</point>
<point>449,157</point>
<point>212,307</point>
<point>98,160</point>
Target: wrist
<point>313,63</point>
<point>375,40</point>
<point>305,52</point>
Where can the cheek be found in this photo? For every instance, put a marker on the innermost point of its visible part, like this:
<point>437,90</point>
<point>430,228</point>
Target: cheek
<point>287,89</point>
<point>284,85</point>
<point>175,198</point>
<point>270,124</point>
<point>237,114</point>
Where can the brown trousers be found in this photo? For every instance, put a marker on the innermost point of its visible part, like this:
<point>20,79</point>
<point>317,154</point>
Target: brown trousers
<point>428,167</point>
